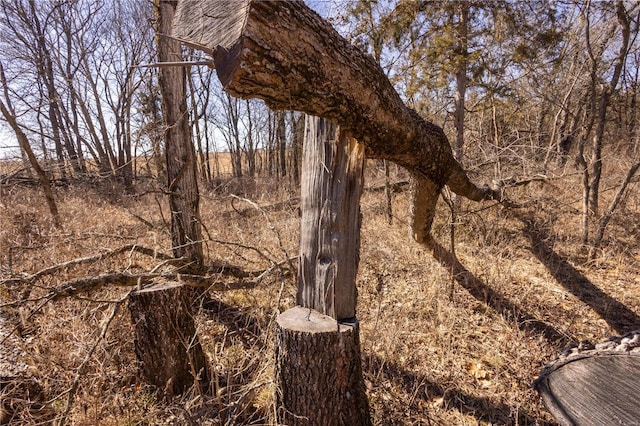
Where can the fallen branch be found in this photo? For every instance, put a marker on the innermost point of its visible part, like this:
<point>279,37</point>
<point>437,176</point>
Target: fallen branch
<point>244,246</point>
<point>141,219</point>
<point>33,182</point>
<point>271,226</point>
<point>267,271</point>
<point>311,68</point>
<point>89,259</point>
<point>512,182</point>
<point>291,203</point>
<point>211,282</point>
<point>395,187</point>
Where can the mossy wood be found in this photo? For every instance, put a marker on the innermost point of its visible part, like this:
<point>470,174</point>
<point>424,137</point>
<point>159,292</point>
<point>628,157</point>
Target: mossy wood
<point>168,350</point>
<point>318,371</point>
<point>593,388</point>
<point>332,180</point>
<point>285,53</point>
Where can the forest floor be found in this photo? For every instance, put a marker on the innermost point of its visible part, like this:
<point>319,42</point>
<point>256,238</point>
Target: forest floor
<point>444,343</point>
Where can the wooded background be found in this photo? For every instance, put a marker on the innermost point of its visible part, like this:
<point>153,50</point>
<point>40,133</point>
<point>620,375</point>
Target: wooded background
<point>520,88</point>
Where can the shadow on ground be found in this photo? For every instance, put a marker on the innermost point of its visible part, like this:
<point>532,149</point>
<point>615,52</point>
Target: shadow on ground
<point>424,391</point>
<point>619,317</point>
<point>378,371</point>
<point>499,303</point>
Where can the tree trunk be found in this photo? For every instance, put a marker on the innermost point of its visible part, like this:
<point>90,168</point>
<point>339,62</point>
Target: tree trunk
<point>329,390</point>
<point>167,346</point>
<point>42,176</point>
<point>332,180</point>
<point>597,385</point>
<point>605,96</point>
<point>186,233</point>
<point>461,78</point>
<point>282,142</point>
<point>297,145</point>
<point>284,53</point>
<point>608,214</point>
<point>9,114</point>
<point>166,343</point>
<point>318,370</point>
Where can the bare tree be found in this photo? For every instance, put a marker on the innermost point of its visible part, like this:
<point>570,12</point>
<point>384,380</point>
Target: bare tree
<point>9,115</point>
<point>186,233</point>
<point>166,343</point>
<point>600,93</point>
<point>26,27</point>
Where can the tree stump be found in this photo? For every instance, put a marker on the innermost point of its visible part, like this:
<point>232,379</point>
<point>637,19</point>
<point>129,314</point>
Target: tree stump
<point>319,370</point>
<point>167,348</point>
<point>595,386</point>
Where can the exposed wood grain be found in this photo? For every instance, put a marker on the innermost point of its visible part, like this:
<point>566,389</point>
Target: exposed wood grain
<point>598,386</point>
<point>196,19</point>
<point>332,182</point>
<point>594,391</point>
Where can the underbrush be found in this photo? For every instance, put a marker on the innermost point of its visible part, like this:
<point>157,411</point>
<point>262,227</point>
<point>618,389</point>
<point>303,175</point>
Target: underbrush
<point>443,341</point>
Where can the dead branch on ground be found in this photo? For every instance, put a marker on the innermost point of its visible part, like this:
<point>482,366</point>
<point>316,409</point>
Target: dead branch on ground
<point>88,259</point>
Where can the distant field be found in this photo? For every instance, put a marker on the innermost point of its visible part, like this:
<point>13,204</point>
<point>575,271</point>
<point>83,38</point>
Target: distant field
<point>220,164</point>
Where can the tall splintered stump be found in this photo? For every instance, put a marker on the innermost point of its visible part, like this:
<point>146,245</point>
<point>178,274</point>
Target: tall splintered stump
<point>167,348</point>
<point>318,361</point>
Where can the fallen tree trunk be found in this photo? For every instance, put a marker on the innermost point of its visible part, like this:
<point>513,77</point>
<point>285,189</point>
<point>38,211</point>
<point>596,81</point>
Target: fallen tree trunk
<point>286,54</point>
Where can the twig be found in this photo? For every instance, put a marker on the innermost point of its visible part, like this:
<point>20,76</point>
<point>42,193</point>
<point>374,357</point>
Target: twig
<point>291,202</point>
<point>15,328</point>
<point>70,288</point>
<point>244,246</point>
<point>271,226</point>
<point>267,271</point>
<point>141,219</point>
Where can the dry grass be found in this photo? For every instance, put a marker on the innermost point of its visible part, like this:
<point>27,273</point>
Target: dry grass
<point>444,343</point>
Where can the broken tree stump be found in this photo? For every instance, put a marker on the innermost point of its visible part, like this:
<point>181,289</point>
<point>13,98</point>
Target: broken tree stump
<point>166,344</point>
<point>318,365</point>
<point>311,345</point>
<point>595,387</point>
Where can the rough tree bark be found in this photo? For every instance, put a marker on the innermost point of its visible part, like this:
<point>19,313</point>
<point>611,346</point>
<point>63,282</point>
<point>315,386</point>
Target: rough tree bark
<point>186,233</point>
<point>285,53</point>
<point>167,348</point>
<point>319,371</point>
